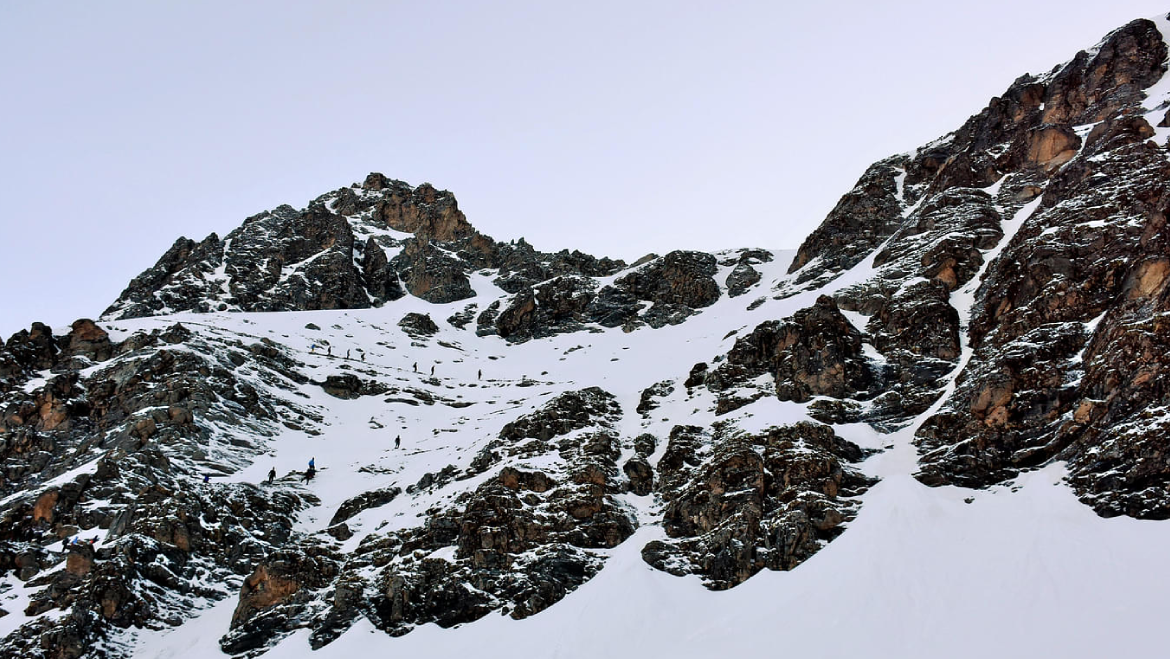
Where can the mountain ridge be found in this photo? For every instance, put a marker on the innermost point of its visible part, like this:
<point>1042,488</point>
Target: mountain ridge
<point>971,312</point>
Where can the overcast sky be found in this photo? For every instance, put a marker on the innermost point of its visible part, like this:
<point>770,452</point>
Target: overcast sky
<point>617,128</point>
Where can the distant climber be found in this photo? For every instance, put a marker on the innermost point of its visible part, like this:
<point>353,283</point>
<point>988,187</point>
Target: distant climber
<point>330,351</point>
<point>313,348</point>
<point>415,367</point>
<point>347,354</point>
<point>432,370</point>
<point>479,374</point>
<point>312,463</point>
<point>310,473</point>
<point>207,479</point>
<point>398,441</point>
<point>363,355</point>
<point>271,474</point>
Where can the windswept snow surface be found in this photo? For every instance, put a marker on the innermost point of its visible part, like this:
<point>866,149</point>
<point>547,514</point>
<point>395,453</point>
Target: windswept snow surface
<point>1014,571</point>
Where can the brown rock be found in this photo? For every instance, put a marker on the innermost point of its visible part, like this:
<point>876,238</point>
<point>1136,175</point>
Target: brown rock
<point>1087,411</point>
<point>430,273</point>
<point>180,415</point>
<point>1049,147</point>
<point>145,428</point>
<point>88,340</point>
<point>80,560</point>
<point>1149,278</point>
<point>43,508</point>
<point>428,213</point>
<point>262,589</point>
<point>52,412</point>
<point>533,481</point>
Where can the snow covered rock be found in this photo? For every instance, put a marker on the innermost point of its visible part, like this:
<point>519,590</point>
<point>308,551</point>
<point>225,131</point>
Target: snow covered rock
<point>995,300</point>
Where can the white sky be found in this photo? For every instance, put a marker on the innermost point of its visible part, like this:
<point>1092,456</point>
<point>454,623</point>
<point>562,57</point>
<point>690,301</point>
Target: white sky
<point>617,128</point>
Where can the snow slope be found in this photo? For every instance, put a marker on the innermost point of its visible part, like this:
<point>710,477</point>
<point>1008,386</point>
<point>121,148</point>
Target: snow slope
<point>1019,569</point>
<point>922,572</point>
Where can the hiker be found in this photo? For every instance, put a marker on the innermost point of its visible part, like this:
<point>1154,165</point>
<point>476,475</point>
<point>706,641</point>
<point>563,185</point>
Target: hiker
<point>363,355</point>
<point>479,374</point>
<point>313,348</point>
<point>312,463</point>
<point>415,367</point>
<point>309,473</point>
<point>330,353</point>
<point>271,475</point>
<point>432,370</point>
<point>207,479</point>
<point>65,544</point>
<point>398,441</point>
<point>347,354</point>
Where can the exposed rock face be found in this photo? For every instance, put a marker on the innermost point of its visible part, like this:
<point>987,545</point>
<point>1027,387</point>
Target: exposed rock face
<point>1094,86</point>
<point>1074,141</point>
<point>862,219</point>
<point>164,546</point>
<point>330,255</point>
<point>364,501</point>
<point>1027,128</point>
<point>350,386</point>
<point>1038,388</point>
<point>371,244</point>
<point>317,244</point>
<point>684,278</point>
<point>518,542</point>
<point>428,213</point>
<point>521,266</point>
<point>817,352</point>
<point>368,245</point>
<point>87,340</point>
<point>132,415</point>
<point>570,411</point>
<point>178,277</point>
<point>29,350</point>
<point>418,325</point>
<point>382,281</point>
<point>1047,210</point>
<point>676,284</point>
<point>553,307</point>
<point>273,596</point>
<point>758,502</point>
<point>431,274</point>
<point>742,278</point>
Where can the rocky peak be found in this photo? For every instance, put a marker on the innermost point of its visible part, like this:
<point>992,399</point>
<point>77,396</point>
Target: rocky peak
<point>428,213</point>
<point>337,253</point>
<point>997,300</point>
<point>1028,131</point>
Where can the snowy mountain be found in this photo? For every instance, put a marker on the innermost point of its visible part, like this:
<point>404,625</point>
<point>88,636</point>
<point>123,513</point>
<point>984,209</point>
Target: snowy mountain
<point>945,412</point>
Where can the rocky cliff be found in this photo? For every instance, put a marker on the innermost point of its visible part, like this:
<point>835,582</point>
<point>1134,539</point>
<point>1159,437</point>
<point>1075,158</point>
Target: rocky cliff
<point>492,421</point>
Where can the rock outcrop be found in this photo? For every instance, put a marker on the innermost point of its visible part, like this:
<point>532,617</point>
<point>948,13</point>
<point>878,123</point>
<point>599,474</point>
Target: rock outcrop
<point>767,501</point>
<point>518,542</point>
<point>1018,266</point>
